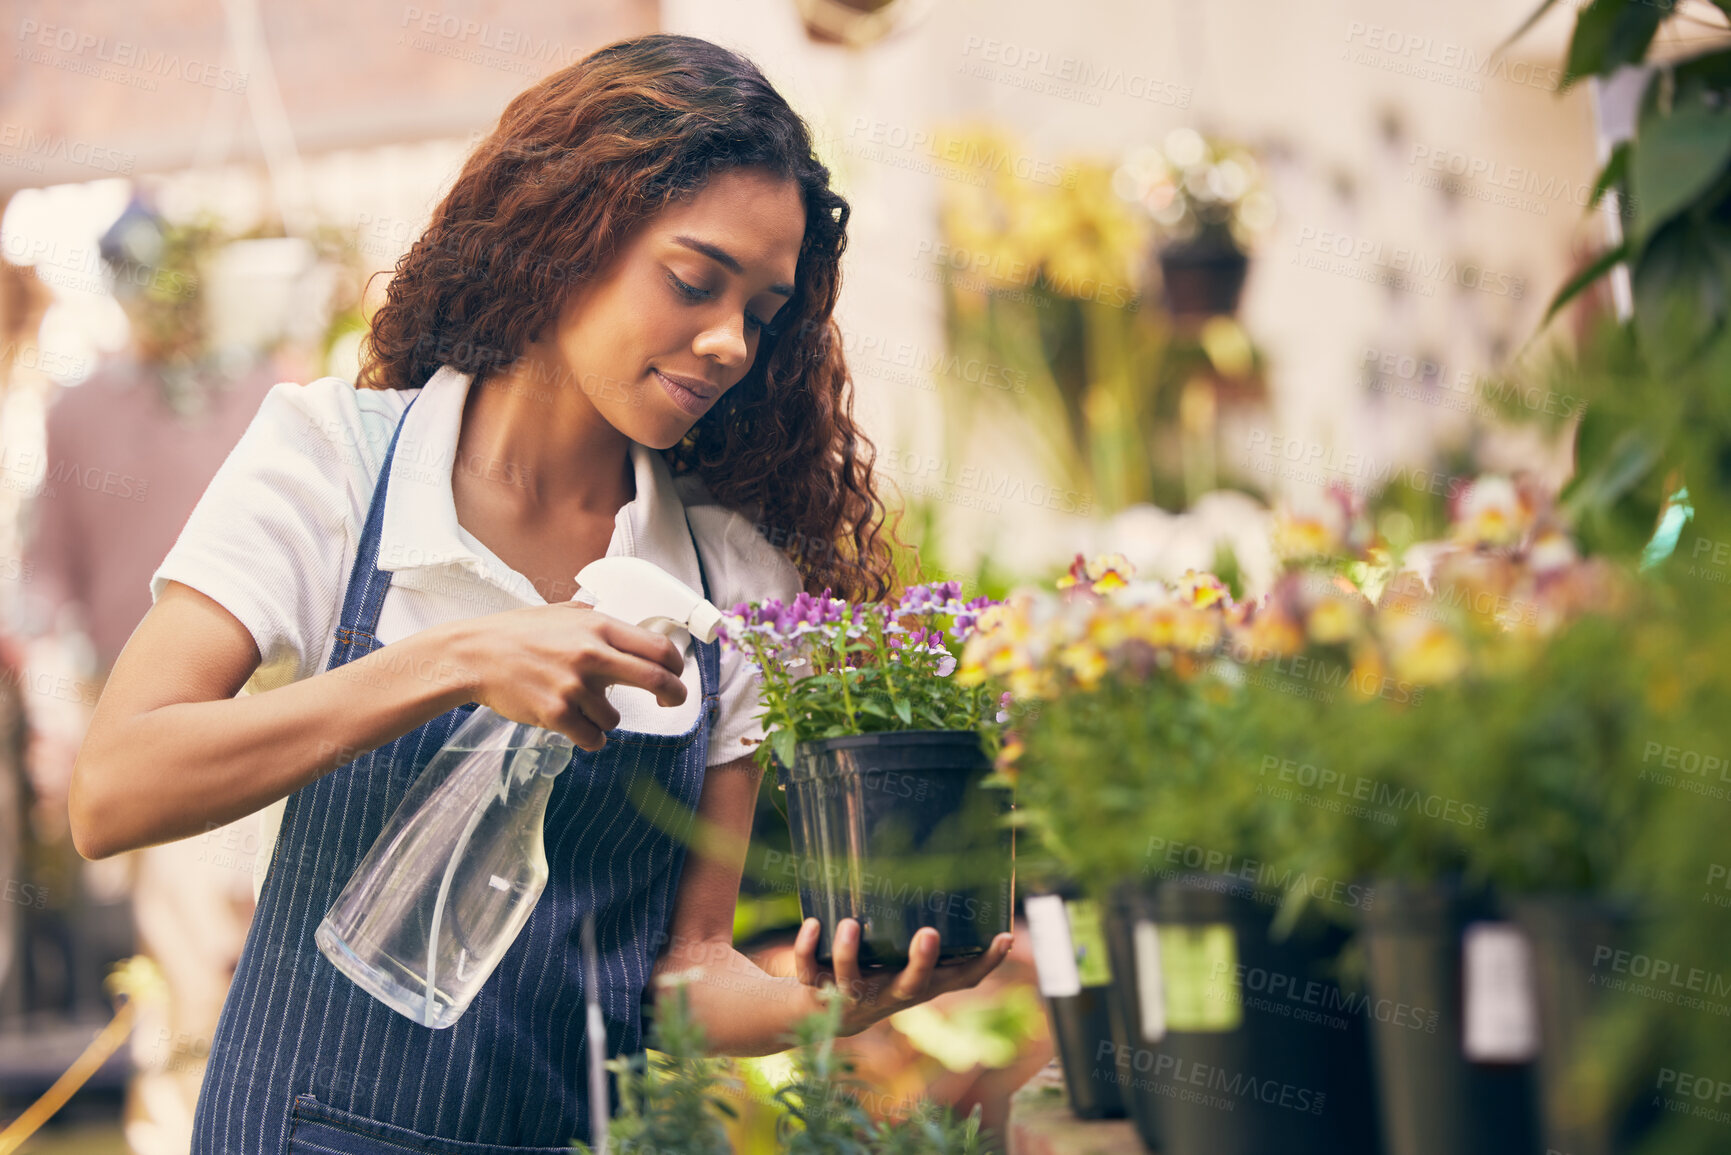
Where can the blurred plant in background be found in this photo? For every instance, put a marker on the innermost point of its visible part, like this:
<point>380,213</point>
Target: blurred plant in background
<point>1198,189</point>
<point>1046,273</point>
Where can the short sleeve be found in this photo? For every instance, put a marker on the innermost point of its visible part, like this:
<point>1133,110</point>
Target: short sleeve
<point>750,569</point>
<point>271,536</point>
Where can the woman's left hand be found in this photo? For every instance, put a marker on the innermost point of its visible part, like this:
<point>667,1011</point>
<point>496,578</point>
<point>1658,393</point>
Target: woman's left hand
<point>886,992</point>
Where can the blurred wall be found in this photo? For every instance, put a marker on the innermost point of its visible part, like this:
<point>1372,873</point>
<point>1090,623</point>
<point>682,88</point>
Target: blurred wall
<point>1363,110</point>
<point>94,89</point>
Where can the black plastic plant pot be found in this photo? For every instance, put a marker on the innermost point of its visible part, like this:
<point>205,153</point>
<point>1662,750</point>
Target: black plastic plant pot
<point>1075,977</point>
<point>1082,1029</point>
<point>895,830</point>
<point>1134,1053</point>
<point>1202,279</point>
<point>1455,1067</point>
<point>1576,940</point>
<point>1258,1049</point>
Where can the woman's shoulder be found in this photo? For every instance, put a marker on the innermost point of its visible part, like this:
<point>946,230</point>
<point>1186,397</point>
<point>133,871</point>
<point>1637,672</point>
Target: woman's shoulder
<point>740,561</point>
<point>331,409</point>
<point>332,421</point>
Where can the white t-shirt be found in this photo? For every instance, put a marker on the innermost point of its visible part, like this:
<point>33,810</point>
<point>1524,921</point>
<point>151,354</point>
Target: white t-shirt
<point>274,536</point>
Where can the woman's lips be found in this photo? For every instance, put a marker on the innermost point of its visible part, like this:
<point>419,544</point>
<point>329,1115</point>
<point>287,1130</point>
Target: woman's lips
<point>686,399</point>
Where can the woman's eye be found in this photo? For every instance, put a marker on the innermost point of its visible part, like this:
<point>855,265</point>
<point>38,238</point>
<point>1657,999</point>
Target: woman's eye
<point>693,293</point>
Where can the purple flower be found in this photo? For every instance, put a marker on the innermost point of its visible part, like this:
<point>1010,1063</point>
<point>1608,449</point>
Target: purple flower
<point>938,598</point>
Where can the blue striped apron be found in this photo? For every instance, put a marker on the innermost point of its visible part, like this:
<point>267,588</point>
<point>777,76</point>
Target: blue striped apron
<point>304,1061</point>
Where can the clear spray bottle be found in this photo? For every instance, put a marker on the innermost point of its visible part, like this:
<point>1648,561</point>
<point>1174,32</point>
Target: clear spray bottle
<point>457,870</point>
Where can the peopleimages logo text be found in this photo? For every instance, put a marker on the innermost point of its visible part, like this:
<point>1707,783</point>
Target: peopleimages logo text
<point>1407,262</point>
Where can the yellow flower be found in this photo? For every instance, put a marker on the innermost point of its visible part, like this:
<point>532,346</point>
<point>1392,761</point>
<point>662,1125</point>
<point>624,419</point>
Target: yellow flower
<point>1493,511</point>
<point>1368,671</point>
<point>1028,683</point>
<point>1156,625</point>
<point>1301,537</point>
<point>1333,620</point>
<point>1202,589</point>
<point>1110,571</point>
<point>1426,654</point>
<point>1085,661</point>
<point>1196,630</point>
<point>1273,634</point>
<point>1108,628</point>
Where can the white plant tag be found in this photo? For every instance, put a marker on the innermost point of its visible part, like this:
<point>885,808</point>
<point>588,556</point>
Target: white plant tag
<point>1054,955</point>
<point>1150,986</point>
<point>1502,1019</point>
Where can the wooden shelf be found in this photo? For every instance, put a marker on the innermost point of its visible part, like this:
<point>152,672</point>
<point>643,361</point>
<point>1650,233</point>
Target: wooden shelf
<point>1041,1123</point>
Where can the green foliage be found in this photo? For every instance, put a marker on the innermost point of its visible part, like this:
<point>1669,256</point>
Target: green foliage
<point>824,1115</point>
<point>1105,771</point>
<point>673,1098</point>
<point>1611,33</point>
<point>1673,181</point>
<point>670,1095</point>
<point>1514,774</point>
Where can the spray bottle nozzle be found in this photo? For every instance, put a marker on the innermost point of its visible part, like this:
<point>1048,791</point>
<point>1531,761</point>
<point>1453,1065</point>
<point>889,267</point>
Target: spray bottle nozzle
<point>641,592</point>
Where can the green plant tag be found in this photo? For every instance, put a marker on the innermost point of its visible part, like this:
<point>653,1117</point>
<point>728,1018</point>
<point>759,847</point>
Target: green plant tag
<point>1199,965</point>
<point>1089,942</point>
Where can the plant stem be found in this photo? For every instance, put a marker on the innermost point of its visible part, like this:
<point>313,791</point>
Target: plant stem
<point>841,673</point>
<point>883,655</point>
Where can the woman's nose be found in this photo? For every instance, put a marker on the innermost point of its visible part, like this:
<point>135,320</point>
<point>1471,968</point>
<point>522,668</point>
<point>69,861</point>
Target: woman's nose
<point>724,341</point>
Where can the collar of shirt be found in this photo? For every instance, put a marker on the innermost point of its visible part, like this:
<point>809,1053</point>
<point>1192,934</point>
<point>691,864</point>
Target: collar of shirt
<point>420,535</point>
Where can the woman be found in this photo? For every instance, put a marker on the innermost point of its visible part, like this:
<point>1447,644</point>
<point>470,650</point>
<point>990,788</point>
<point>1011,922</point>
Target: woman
<point>614,337</point>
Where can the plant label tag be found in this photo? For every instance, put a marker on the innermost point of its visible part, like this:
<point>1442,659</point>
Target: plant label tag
<point>1502,1020</point>
<point>1202,983</point>
<point>1150,983</point>
<point>1089,939</point>
<point>1054,956</point>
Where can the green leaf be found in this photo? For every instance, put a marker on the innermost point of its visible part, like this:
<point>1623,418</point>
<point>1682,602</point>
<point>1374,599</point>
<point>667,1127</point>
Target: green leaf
<point>1629,460</point>
<point>1609,33</point>
<point>904,712</point>
<point>1679,297</point>
<point>781,743</point>
<point>1527,24</point>
<point>1675,159</point>
<point>1615,172</point>
<point>1581,280</point>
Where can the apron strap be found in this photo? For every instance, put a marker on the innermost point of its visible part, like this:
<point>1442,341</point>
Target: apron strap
<point>367,582</point>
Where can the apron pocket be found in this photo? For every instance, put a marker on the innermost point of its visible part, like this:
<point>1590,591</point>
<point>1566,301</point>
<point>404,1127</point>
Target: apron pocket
<point>319,1129</point>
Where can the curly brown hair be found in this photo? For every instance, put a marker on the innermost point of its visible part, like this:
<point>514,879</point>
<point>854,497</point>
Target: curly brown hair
<point>542,205</point>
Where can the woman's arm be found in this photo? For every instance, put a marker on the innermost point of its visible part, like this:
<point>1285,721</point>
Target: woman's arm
<point>171,752</point>
<point>743,1009</point>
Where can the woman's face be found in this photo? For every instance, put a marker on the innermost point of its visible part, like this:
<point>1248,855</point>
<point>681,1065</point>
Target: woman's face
<point>677,319</point>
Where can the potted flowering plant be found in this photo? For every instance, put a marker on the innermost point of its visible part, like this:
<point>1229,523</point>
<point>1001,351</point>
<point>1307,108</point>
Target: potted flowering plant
<point>1206,197</point>
<point>1479,776</point>
<point>881,754</point>
<point>1131,686</point>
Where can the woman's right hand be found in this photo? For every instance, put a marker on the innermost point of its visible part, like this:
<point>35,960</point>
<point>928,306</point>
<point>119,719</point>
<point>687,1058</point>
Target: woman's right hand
<point>550,666</point>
